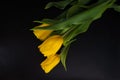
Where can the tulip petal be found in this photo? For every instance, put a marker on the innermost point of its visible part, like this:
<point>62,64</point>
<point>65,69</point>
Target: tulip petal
<point>42,34</point>
<point>50,62</point>
<point>51,45</point>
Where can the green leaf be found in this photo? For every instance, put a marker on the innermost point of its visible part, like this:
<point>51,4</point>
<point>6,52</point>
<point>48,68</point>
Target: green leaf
<point>116,7</point>
<point>73,10</point>
<point>36,21</point>
<point>48,21</point>
<point>101,1</point>
<point>63,55</point>
<point>83,1</point>
<point>95,12</point>
<point>92,13</point>
<point>62,15</point>
<point>82,28</point>
<point>60,4</point>
<point>80,2</point>
<point>69,35</point>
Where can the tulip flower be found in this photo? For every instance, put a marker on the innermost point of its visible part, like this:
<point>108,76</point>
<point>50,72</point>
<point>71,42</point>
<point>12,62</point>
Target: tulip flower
<point>42,34</point>
<point>51,45</point>
<point>50,62</point>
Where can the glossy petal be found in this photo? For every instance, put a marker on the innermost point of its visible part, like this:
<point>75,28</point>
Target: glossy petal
<point>51,45</point>
<point>50,62</point>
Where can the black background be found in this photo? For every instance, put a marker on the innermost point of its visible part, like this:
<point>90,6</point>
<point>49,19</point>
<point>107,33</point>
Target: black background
<point>94,56</point>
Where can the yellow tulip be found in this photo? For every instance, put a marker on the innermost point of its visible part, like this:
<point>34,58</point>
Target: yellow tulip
<point>42,34</point>
<point>51,45</point>
<point>50,62</point>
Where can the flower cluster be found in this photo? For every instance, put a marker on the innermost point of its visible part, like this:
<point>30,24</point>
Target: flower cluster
<point>57,34</point>
<point>49,47</point>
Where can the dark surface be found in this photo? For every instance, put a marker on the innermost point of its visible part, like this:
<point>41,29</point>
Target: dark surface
<point>94,56</point>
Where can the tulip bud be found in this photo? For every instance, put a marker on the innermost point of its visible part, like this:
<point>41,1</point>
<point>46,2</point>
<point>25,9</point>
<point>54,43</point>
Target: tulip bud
<point>50,62</point>
<point>51,45</point>
<point>42,34</point>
